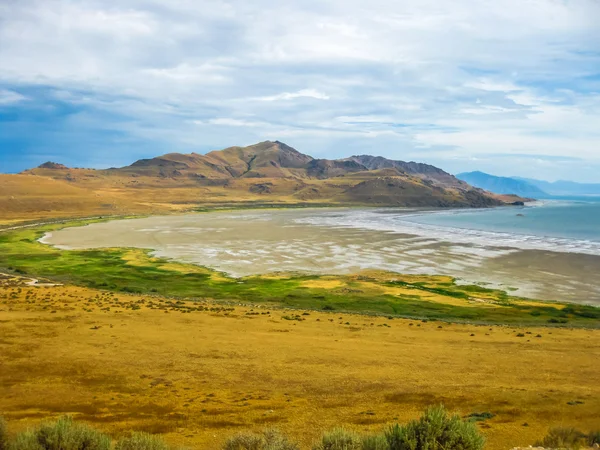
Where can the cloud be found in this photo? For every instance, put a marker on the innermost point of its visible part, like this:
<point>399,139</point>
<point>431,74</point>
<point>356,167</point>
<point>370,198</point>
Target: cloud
<point>308,93</point>
<point>443,82</point>
<point>8,97</point>
<point>236,122</point>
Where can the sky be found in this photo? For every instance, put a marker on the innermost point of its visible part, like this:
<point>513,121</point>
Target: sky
<point>510,87</point>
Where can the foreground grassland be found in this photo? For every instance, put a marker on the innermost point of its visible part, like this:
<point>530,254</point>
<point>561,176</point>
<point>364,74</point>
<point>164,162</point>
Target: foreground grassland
<point>199,371</point>
<point>421,297</point>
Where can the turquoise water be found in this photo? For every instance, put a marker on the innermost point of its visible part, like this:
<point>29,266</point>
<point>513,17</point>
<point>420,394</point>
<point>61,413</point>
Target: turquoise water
<point>573,218</point>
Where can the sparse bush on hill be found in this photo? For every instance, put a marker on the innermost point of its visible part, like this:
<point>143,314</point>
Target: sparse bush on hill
<point>268,440</point>
<point>563,437</point>
<point>64,434</point>
<point>141,441</point>
<point>339,439</point>
<point>435,430</point>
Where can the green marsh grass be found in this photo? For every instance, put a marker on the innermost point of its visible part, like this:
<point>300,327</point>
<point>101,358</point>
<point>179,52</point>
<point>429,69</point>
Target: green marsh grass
<point>109,269</point>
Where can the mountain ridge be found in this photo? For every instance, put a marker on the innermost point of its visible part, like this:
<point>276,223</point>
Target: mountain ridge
<point>501,185</point>
<point>529,187</point>
<point>266,173</point>
<point>564,187</point>
<point>271,159</point>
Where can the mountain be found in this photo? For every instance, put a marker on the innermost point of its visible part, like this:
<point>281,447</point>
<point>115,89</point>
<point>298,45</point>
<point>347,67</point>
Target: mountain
<point>263,160</point>
<point>563,187</point>
<point>269,172</point>
<point>400,191</point>
<point>502,185</point>
<point>424,171</point>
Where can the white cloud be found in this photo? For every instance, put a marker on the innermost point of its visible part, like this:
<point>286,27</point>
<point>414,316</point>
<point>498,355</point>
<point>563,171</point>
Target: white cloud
<point>450,81</point>
<point>230,122</point>
<point>309,93</point>
<point>8,97</point>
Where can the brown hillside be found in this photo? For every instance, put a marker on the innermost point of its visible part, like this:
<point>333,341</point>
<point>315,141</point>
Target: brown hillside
<point>408,191</point>
<point>28,197</point>
<point>268,172</point>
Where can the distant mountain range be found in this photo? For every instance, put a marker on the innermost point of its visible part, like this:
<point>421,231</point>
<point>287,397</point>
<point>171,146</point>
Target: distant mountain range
<point>273,171</point>
<point>528,187</point>
<point>502,185</point>
<point>563,187</point>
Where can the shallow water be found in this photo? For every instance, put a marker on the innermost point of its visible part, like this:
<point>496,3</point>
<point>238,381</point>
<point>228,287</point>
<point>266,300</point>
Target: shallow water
<point>339,240</point>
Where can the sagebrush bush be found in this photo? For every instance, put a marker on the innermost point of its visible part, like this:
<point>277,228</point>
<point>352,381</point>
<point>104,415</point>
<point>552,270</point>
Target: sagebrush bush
<point>3,434</point>
<point>563,437</point>
<point>64,434</point>
<point>435,430</point>
<point>141,441</point>
<point>339,439</point>
<point>267,440</point>
<point>375,442</point>
<point>594,438</point>
<point>24,441</point>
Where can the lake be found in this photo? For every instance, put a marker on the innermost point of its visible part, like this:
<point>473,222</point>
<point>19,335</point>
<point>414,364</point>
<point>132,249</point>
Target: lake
<point>548,250</point>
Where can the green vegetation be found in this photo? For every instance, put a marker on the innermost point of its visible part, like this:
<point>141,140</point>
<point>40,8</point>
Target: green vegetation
<point>481,417</point>
<point>3,435</point>
<point>141,441</point>
<point>594,438</point>
<point>569,438</point>
<point>375,442</point>
<point>63,434</point>
<point>339,439</point>
<point>268,440</point>
<point>134,271</point>
<point>435,430</point>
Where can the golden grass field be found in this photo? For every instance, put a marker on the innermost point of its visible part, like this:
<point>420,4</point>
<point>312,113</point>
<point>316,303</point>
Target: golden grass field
<point>27,197</point>
<point>199,372</point>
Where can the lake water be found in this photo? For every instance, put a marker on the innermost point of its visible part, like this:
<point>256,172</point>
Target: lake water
<point>548,250</point>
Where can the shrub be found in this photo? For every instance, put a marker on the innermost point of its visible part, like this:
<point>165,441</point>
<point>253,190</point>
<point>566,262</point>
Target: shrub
<point>25,441</point>
<point>435,430</point>
<point>563,438</point>
<point>141,441</point>
<point>480,417</point>
<point>375,442</point>
<point>3,434</point>
<point>63,434</point>
<point>267,440</point>
<point>594,438</point>
<point>339,439</point>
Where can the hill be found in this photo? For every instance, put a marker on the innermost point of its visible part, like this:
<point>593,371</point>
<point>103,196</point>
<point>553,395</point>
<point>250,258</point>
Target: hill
<point>502,185</point>
<point>267,173</point>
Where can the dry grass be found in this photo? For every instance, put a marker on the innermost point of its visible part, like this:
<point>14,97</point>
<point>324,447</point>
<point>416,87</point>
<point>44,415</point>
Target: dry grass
<point>323,283</point>
<point>49,195</point>
<point>200,376</point>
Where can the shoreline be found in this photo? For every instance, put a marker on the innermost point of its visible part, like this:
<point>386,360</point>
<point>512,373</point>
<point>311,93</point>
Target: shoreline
<point>221,243</point>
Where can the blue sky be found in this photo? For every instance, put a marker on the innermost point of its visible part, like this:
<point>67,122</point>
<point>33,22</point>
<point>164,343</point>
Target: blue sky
<point>510,87</point>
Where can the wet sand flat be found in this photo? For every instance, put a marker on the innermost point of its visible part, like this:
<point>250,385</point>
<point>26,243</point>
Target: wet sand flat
<point>259,242</point>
